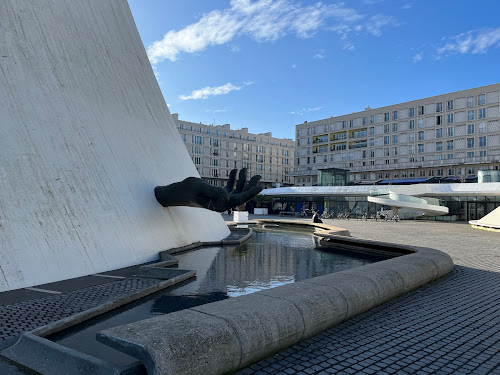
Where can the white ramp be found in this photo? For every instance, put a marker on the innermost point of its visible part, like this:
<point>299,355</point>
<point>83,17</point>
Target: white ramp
<point>85,136</point>
<point>492,220</point>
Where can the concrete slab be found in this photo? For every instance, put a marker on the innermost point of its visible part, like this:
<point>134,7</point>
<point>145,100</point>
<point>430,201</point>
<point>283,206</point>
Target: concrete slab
<point>360,293</point>
<point>389,283</point>
<point>321,307</point>
<point>165,273</point>
<point>182,343</point>
<point>19,295</point>
<point>263,324</point>
<point>75,283</point>
<point>47,357</point>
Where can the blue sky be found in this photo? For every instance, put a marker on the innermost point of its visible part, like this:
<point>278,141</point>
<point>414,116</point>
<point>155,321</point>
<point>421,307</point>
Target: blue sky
<point>272,64</point>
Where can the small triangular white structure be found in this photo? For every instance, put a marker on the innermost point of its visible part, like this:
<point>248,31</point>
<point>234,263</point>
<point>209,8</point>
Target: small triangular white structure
<point>85,136</point>
<point>492,220</point>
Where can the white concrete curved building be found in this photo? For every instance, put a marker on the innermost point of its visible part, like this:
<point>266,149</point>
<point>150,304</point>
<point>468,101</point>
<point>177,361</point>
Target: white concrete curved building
<point>85,136</point>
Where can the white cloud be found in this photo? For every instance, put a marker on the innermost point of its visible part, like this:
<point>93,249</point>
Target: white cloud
<point>348,46</point>
<point>208,91</point>
<point>216,110</point>
<point>406,6</point>
<point>214,28</point>
<point>235,48</point>
<point>474,42</point>
<point>263,20</point>
<point>303,111</point>
<point>418,57</point>
<point>320,54</point>
<point>375,24</point>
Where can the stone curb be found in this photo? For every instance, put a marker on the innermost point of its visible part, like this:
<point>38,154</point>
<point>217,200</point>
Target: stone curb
<point>24,349</point>
<point>173,276</point>
<point>47,357</point>
<point>72,320</point>
<point>247,234</point>
<point>265,322</point>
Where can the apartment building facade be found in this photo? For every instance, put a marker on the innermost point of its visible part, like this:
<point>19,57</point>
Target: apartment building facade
<point>217,149</point>
<point>455,134</point>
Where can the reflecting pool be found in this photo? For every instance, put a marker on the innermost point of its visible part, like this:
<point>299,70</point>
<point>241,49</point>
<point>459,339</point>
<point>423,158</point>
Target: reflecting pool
<point>270,258</point>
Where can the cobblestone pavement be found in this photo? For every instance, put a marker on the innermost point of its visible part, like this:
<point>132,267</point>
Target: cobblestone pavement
<point>451,326</point>
<point>28,315</point>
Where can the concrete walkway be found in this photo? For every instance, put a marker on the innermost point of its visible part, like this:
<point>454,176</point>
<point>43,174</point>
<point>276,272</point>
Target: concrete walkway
<point>449,327</point>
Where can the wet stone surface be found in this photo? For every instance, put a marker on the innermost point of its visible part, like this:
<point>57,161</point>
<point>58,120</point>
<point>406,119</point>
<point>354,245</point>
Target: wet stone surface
<point>451,326</point>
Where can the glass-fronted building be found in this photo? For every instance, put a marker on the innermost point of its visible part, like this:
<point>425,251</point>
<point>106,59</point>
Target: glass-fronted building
<point>465,202</point>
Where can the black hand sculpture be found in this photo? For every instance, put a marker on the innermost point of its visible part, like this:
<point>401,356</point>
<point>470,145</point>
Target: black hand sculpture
<point>195,192</point>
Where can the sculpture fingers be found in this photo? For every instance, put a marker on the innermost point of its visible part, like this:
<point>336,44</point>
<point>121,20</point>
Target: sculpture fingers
<point>253,182</point>
<point>230,183</point>
<point>238,199</point>
<point>213,196</point>
<point>242,179</point>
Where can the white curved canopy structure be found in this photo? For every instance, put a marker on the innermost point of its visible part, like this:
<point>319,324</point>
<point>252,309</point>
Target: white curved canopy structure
<point>85,136</point>
<point>416,204</point>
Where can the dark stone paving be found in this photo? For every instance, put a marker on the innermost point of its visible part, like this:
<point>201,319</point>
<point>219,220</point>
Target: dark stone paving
<point>451,326</point>
<point>28,315</point>
<point>448,327</point>
<point>24,310</point>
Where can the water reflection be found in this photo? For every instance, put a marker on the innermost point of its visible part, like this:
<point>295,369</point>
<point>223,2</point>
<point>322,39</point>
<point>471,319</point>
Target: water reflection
<point>167,304</point>
<point>266,260</point>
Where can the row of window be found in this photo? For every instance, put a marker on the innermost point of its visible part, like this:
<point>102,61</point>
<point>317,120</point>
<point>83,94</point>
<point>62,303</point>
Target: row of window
<point>249,166</point>
<point>216,162</point>
<point>232,135</point>
<point>471,129</point>
<point>196,150</point>
<point>481,100</point>
<point>482,128</point>
<point>420,149</point>
<point>441,172</point>
<point>395,161</point>
<point>218,174</point>
<point>198,140</point>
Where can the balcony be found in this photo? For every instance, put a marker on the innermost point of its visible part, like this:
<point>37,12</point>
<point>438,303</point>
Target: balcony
<point>323,139</point>
<point>309,172</point>
<point>358,134</point>
<point>320,150</point>
<point>428,164</point>
<point>358,145</point>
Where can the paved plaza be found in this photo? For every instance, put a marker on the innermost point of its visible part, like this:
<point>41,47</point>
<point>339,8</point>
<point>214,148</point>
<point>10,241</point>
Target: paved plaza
<point>451,326</point>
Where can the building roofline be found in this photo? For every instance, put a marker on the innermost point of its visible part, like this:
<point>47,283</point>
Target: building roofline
<point>401,103</point>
